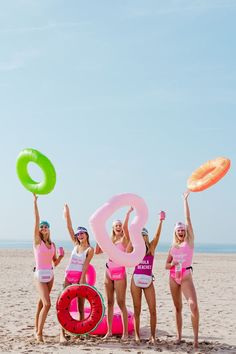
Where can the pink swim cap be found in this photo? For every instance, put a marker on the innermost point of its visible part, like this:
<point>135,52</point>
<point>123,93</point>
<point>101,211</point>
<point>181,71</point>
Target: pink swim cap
<point>180,225</point>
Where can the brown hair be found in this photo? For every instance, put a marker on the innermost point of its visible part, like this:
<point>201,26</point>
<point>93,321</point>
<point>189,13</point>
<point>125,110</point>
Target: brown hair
<point>78,242</point>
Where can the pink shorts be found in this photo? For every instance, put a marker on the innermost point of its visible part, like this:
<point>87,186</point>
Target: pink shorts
<point>183,273</point>
<point>116,273</point>
<point>73,276</point>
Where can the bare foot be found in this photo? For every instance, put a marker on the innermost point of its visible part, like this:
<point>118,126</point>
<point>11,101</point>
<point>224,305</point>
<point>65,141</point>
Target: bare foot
<point>39,338</point>
<point>152,340</point>
<point>62,339</point>
<point>137,340</point>
<point>125,337</point>
<point>177,341</point>
<point>195,345</point>
<point>107,336</point>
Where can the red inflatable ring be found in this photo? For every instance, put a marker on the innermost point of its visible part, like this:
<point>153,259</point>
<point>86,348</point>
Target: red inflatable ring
<point>208,174</point>
<point>92,320</point>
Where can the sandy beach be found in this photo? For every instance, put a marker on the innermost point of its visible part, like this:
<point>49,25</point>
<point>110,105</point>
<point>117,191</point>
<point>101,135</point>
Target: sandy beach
<point>213,277</point>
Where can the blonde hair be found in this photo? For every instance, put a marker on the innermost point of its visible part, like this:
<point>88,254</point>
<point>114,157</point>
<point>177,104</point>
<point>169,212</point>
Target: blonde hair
<point>176,242</point>
<point>113,235</point>
<point>49,238</point>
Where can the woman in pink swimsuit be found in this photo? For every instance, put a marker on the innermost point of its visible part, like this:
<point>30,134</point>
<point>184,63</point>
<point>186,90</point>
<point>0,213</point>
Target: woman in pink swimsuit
<point>45,258</point>
<point>142,281</point>
<point>79,261</point>
<point>179,262</point>
<point>116,280</point>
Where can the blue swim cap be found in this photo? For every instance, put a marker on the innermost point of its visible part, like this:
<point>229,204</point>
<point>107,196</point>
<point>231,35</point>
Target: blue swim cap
<point>43,222</point>
<point>144,232</point>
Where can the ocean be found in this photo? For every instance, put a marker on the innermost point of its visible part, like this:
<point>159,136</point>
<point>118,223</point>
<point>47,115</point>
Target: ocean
<point>162,247</point>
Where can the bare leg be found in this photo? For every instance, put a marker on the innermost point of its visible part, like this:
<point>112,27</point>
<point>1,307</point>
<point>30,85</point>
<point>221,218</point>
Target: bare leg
<point>81,302</point>
<point>109,290</point>
<point>39,308</point>
<point>189,292</point>
<point>136,293</point>
<point>120,289</point>
<point>44,290</point>
<point>177,299</point>
<point>151,301</point>
<point>62,338</point>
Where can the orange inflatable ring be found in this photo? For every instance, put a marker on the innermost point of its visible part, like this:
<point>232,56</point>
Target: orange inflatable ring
<point>208,174</point>
<point>95,316</point>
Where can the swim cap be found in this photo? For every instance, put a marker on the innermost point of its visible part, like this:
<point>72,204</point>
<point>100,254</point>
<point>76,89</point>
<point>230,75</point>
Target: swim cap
<point>144,232</point>
<point>115,222</point>
<point>43,222</point>
<point>80,230</point>
<point>180,225</point>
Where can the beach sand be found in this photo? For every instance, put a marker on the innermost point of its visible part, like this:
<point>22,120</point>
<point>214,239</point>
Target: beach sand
<point>214,281</point>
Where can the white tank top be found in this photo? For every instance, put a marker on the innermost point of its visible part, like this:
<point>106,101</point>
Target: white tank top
<point>77,260</point>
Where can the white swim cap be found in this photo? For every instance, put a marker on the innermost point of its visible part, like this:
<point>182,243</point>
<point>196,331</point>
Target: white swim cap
<point>180,226</point>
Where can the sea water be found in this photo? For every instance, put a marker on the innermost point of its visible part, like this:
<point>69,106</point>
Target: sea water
<point>162,247</point>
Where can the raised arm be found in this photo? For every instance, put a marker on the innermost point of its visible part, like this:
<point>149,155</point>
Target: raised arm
<point>154,242</point>
<point>69,223</point>
<point>187,216</point>
<point>126,228</point>
<point>36,222</point>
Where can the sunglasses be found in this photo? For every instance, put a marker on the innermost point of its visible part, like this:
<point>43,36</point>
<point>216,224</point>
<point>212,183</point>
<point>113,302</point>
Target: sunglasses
<point>81,234</point>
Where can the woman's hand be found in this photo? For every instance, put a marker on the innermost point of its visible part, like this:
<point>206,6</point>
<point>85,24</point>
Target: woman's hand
<point>35,197</point>
<point>162,215</point>
<point>66,210</point>
<point>61,252</point>
<point>186,194</point>
<point>82,280</point>
<point>173,263</point>
<point>130,210</point>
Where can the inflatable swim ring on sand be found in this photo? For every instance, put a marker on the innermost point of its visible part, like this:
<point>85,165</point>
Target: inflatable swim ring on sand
<point>89,323</point>
<point>101,329</point>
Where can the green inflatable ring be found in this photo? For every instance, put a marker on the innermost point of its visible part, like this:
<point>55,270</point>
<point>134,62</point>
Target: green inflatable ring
<point>49,180</point>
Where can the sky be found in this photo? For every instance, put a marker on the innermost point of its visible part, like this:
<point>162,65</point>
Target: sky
<point>122,96</point>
